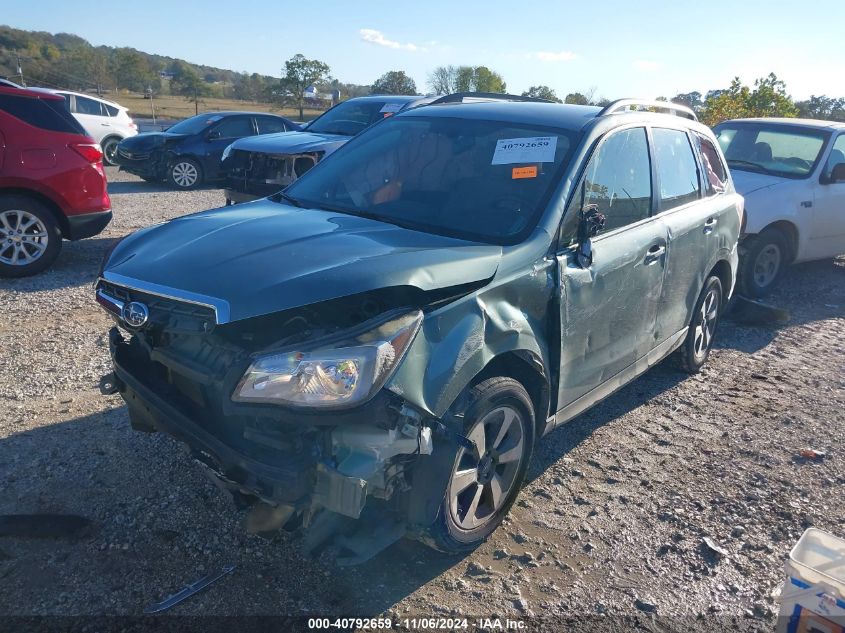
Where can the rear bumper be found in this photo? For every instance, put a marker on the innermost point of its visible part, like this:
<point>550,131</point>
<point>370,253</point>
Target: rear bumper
<point>87,224</point>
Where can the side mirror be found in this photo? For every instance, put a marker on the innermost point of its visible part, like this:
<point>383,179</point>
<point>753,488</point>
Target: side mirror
<point>213,135</point>
<point>837,174</point>
<point>590,222</point>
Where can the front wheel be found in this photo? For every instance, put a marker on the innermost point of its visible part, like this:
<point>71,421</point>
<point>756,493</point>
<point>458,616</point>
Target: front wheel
<point>485,481</point>
<point>184,173</point>
<point>765,258</point>
<point>702,328</point>
<point>30,238</point>
<point>109,148</point>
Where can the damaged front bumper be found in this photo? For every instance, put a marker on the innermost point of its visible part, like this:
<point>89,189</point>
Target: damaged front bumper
<point>253,175</point>
<point>294,470</point>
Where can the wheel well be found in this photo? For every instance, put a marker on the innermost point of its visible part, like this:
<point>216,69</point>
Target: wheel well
<point>722,270</point>
<point>790,232</point>
<point>529,373</point>
<point>61,219</point>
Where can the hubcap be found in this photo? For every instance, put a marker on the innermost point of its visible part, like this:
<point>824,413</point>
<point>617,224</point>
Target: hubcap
<point>23,237</point>
<point>706,326</point>
<point>483,478</point>
<point>185,174</point>
<point>767,265</point>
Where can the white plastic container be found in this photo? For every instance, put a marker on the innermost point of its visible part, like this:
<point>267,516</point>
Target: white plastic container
<point>813,598</point>
<point>819,557</point>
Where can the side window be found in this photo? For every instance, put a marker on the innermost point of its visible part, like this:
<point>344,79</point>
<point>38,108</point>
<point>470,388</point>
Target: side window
<point>88,106</point>
<point>715,174</point>
<point>837,155</point>
<point>235,127</point>
<point>47,114</point>
<point>676,168</point>
<point>270,125</point>
<point>617,180</point>
<point>111,110</point>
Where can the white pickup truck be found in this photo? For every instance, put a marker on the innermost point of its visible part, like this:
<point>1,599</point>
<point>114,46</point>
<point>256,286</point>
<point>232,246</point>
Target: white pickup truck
<point>792,175</point>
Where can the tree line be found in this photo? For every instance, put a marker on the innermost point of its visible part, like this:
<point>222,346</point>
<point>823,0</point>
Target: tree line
<point>67,61</point>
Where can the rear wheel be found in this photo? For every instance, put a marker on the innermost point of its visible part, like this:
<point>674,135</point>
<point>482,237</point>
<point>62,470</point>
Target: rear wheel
<point>184,173</point>
<point>485,481</point>
<point>30,239</point>
<point>702,328</point>
<point>109,147</point>
<point>765,258</point>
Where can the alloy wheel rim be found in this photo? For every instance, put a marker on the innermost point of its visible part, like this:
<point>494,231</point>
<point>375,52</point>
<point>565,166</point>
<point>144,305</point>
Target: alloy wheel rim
<point>767,265</point>
<point>185,174</point>
<point>23,237</point>
<point>706,325</point>
<point>110,151</point>
<point>483,478</point>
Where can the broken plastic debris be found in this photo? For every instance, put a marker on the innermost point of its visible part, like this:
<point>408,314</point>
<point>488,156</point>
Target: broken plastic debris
<point>811,453</point>
<point>188,591</point>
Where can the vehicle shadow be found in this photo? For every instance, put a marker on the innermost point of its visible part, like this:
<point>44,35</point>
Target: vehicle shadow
<point>142,186</point>
<point>77,265</point>
<point>810,292</point>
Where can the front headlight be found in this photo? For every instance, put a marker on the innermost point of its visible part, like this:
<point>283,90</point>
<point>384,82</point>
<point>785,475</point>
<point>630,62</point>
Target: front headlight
<point>226,152</point>
<point>336,376</point>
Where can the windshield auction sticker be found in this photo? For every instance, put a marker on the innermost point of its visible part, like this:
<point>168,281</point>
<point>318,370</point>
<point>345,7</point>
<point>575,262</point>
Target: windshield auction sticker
<point>391,107</point>
<point>532,149</point>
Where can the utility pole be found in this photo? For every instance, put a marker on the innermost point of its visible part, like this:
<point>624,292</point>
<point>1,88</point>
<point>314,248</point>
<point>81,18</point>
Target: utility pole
<point>152,107</point>
<point>20,70</point>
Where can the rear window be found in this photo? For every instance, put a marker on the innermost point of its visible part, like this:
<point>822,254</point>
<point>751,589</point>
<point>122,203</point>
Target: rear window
<point>47,114</point>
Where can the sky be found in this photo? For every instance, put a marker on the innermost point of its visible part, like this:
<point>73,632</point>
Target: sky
<point>631,48</point>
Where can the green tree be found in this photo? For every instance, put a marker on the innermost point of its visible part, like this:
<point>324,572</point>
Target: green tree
<point>576,98</point>
<point>822,107</point>
<point>300,73</point>
<point>188,83</point>
<point>541,92</point>
<point>768,99</point>
<point>394,82</point>
<point>131,70</point>
<point>689,99</point>
<point>449,79</point>
<point>486,80</point>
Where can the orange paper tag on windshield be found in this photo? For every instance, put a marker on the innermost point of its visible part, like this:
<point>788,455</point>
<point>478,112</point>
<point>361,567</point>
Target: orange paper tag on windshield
<point>524,172</point>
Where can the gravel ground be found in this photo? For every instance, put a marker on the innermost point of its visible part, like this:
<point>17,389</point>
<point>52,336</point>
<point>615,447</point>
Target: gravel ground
<point>613,520</point>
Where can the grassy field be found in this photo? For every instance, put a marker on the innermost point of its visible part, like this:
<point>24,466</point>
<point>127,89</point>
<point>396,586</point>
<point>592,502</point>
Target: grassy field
<point>175,107</point>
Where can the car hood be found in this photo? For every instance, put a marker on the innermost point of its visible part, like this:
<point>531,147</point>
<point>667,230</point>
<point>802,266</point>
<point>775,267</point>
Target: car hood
<point>264,257</point>
<point>291,143</point>
<point>747,182</point>
<point>148,140</point>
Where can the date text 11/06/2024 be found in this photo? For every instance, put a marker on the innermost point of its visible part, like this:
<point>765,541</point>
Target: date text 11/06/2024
<point>414,624</point>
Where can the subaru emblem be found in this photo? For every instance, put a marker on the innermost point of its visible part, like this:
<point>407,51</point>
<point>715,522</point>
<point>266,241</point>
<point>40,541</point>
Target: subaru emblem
<point>135,314</point>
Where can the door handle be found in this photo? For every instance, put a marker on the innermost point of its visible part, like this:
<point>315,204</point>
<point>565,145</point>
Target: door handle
<point>654,253</point>
<point>710,225</point>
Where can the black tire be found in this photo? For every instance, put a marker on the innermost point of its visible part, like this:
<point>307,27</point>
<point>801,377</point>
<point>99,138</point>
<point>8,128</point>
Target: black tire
<point>179,171</point>
<point>696,348</point>
<point>109,147</point>
<point>485,401</point>
<point>44,240</point>
<point>763,262</point>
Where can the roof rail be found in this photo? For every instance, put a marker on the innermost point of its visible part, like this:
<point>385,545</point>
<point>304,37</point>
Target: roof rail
<point>669,106</point>
<point>458,97</point>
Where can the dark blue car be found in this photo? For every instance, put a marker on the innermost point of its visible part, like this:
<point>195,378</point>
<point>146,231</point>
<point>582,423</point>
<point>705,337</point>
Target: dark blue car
<point>189,153</point>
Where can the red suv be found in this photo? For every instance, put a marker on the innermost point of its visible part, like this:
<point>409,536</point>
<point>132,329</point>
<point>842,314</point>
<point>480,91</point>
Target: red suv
<point>52,184</point>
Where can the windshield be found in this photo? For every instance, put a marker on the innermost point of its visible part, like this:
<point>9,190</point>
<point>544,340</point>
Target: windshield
<point>194,125</point>
<point>486,181</point>
<point>788,151</point>
<point>351,117</point>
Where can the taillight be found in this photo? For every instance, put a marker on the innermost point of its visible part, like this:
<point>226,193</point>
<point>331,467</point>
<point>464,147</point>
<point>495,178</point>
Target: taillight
<point>133,125</point>
<point>90,152</point>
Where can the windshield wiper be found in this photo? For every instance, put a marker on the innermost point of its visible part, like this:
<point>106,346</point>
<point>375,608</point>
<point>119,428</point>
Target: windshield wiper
<point>365,214</point>
<point>289,198</point>
<point>747,163</point>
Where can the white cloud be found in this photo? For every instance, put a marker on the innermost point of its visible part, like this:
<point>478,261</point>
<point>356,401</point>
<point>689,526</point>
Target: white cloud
<point>554,56</point>
<point>646,65</point>
<point>377,37</point>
